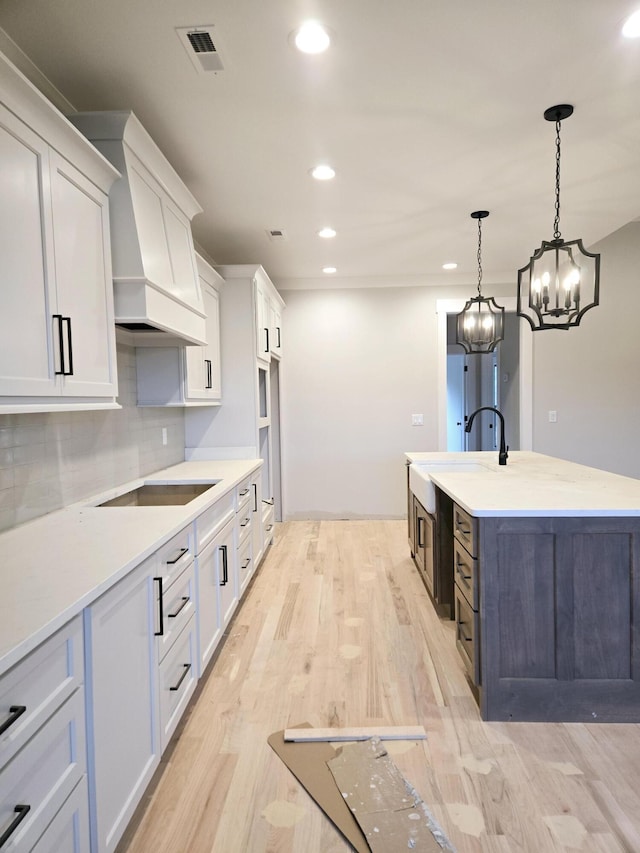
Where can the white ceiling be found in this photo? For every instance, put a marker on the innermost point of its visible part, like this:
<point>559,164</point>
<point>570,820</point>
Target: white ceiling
<point>427,109</point>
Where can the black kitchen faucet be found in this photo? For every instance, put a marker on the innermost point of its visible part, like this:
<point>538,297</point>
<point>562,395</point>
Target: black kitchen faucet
<point>502,455</point>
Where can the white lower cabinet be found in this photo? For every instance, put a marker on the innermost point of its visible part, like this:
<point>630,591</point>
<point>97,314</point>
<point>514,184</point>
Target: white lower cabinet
<point>177,681</point>
<point>69,830</point>
<point>217,590</point>
<point>122,702</point>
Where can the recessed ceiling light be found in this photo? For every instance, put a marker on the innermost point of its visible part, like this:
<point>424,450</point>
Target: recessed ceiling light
<point>329,270</point>
<point>312,37</point>
<point>326,233</point>
<point>323,172</point>
<point>631,27</point>
<point>450,266</point>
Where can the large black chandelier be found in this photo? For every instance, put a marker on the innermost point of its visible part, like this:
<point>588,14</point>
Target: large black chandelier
<point>561,280</point>
<point>480,324</point>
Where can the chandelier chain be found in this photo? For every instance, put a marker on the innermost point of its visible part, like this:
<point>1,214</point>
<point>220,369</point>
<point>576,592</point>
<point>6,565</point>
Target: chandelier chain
<point>556,221</point>
<point>479,257</point>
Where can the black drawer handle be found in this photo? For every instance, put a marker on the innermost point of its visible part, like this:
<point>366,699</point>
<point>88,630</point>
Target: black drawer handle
<point>160,631</point>
<point>21,813</point>
<point>461,574</point>
<point>187,667</point>
<point>244,492</point>
<point>269,502</point>
<point>246,563</point>
<point>462,634</point>
<point>178,556</point>
<point>270,528</point>
<point>225,567</point>
<point>183,604</point>
<point>245,522</point>
<point>15,711</point>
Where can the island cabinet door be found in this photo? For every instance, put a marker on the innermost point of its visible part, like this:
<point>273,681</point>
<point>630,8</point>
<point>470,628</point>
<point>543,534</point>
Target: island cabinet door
<point>558,598</point>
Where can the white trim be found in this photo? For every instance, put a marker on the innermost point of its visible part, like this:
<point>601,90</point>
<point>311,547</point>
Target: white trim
<point>454,306</point>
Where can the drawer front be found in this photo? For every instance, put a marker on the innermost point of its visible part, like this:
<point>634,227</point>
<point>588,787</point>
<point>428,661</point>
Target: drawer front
<point>69,830</point>
<point>465,530</point>
<point>244,526</point>
<point>467,635</point>
<point>175,609</point>
<point>35,785</point>
<point>34,688</point>
<point>212,520</point>
<point>268,523</point>
<point>244,495</point>
<point>245,564</point>
<point>177,681</point>
<point>175,555</point>
<point>465,574</point>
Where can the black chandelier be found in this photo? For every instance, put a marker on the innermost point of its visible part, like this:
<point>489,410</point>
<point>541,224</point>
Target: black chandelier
<point>480,324</point>
<point>561,280</point>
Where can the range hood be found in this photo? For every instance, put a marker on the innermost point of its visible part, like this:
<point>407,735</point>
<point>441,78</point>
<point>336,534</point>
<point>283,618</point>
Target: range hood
<point>156,288</point>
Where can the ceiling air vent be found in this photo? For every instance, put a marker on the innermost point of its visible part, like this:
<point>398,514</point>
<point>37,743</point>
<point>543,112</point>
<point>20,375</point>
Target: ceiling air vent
<point>201,47</point>
<point>276,235</point>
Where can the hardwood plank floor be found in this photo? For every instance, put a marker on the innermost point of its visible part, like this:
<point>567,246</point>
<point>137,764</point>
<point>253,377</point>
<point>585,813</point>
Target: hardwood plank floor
<point>337,630</point>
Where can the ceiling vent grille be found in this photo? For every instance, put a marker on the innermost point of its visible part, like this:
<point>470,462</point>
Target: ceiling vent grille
<point>201,48</point>
<point>276,235</point>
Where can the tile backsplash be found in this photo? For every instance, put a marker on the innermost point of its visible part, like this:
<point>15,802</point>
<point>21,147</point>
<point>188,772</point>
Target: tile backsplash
<point>50,460</point>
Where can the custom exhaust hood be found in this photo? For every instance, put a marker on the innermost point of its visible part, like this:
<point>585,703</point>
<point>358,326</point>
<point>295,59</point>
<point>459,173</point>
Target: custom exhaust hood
<point>156,288</point>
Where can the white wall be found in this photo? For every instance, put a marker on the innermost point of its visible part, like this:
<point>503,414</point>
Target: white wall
<point>358,364</point>
<point>591,375</point>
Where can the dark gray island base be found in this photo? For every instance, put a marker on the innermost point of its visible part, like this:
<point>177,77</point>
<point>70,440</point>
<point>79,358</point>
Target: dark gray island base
<point>559,619</point>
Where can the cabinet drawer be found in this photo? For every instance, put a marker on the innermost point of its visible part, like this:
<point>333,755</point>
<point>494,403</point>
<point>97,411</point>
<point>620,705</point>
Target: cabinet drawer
<point>268,523</point>
<point>34,688</point>
<point>34,786</point>
<point>244,493</point>
<point>465,574</point>
<point>465,529</point>
<point>175,555</point>
<point>244,526</point>
<point>468,635</point>
<point>177,681</point>
<point>175,608</point>
<point>245,564</point>
<point>212,520</point>
<point>68,832</point>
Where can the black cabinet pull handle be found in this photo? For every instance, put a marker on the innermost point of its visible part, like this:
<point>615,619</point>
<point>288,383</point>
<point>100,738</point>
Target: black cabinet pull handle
<point>255,497</point>
<point>245,522</point>
<point>15,711</point>
<point>269,528</point>
<point>187,667</point>
<point>460,572</point>
<point>225,568</point>
<point>180,554</point>
<point>67,320</point>
<point>59,318</point>
<point>244,492</point>
<point>270,502</point>
<point>160,633</point>
<point>462,634</point>
<point>267,339</point>
<point>279,341</point>
<point>420,542</point>
<point>209,384</point>
<point>21,813</point>
<point>246,563</point>
<point>185,600</point>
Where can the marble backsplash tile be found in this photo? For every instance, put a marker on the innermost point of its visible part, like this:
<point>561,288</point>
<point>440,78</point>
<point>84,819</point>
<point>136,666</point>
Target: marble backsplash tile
<point>50,460</point>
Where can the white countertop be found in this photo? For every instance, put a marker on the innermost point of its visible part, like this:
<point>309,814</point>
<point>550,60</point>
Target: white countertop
<point>53,567</point>
<point>532,484</point>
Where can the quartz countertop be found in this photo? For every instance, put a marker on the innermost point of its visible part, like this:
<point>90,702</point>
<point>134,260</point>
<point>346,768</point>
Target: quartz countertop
<point>56,565</point>
<point>532,484</point>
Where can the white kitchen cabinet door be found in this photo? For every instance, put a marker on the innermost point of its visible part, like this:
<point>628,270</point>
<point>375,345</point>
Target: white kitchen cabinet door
<point>263,321</point>
<point>257,545</point>
<point>217,591</point>
<point>275,313</point>
<point>83,281</point>
<point>27,282</point>
<point>122,694</point>
<point>202,364</point>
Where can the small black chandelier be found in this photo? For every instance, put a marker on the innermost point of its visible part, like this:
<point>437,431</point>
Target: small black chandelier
<point>480,324</point>
<point>561,280</point>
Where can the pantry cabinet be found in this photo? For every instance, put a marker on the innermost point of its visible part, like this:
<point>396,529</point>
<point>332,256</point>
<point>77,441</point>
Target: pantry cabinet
<point>56,297</point>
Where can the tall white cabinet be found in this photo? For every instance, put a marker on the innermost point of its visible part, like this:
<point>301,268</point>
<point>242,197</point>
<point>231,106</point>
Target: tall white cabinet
<point>247,425</point>
<point>56,295</point>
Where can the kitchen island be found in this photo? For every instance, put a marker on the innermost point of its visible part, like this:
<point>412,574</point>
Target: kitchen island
<point>546,583</point>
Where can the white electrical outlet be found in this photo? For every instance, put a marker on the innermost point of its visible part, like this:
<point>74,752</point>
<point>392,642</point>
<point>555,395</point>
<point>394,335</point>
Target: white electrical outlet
<point>553,416</point>
<point>164,436</point>
<point>417,420</point>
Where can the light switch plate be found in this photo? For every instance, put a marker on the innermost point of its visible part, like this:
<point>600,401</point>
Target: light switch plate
<point>553,416</point>
<point>417,420</point>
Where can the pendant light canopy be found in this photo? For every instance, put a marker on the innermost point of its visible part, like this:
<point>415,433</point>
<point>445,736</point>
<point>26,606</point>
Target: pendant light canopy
<point>561,280</point>
<point>480,324</point>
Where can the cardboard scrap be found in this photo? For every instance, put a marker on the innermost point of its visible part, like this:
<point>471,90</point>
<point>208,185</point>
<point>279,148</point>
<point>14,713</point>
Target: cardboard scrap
<point>308,763</point>
<point>358,733</point>
<point>389,810</point>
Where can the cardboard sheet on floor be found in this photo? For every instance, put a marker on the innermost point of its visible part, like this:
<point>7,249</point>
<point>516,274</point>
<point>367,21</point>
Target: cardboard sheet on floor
<point>390,812</point>
<point>308,763</point>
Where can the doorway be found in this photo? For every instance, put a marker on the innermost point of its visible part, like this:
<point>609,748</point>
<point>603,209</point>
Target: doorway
<point>471,383</point>
<point>518,402</point>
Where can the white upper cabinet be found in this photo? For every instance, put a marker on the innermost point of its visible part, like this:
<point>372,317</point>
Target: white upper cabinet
<point>56,298</point>
<point>186,376</point>
<point>156,288</point>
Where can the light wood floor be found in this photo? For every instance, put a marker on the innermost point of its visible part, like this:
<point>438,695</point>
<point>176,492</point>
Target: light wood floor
<point>337,630</point>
